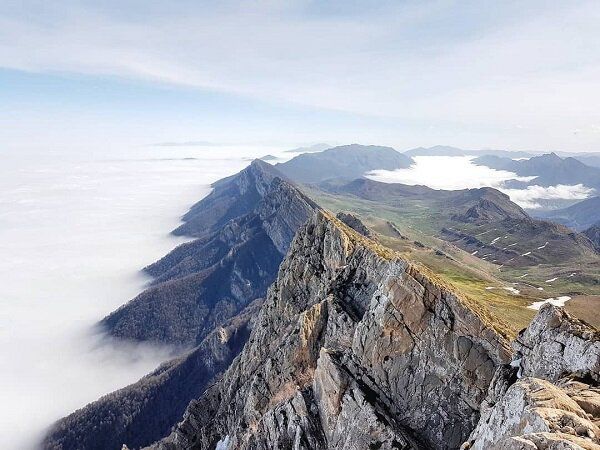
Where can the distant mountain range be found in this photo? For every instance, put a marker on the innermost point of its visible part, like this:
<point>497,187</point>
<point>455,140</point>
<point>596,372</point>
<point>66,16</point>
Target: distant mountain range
<point>347,161</point>
<point>579,216</point>
<point>549,169</point>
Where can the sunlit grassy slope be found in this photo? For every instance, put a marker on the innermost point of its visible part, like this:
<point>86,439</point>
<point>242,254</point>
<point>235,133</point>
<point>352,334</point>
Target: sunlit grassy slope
<point>491,285</point>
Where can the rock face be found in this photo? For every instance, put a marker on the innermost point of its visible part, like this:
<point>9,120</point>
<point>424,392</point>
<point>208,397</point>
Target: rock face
<point>354,348</point>
<point>355,223</point>
<point>549,397</point>
<point>249,221</point>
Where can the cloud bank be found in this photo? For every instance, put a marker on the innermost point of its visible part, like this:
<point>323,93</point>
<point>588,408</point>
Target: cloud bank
<point>458,172</point>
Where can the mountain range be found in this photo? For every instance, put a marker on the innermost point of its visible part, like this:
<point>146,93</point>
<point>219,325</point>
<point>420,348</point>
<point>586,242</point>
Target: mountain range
<point>299,329</point>
<point>579,216</point>
<point>548,170</point>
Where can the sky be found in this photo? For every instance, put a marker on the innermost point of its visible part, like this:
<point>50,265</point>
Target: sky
<point>112,76</point>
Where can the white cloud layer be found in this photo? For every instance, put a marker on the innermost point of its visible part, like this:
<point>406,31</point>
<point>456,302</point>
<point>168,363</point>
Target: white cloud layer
<point>458,172</point>
<point>527,198</point>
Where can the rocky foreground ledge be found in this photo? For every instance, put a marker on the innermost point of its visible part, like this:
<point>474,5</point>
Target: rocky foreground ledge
<point>356,348</point>
<point>549,397</point>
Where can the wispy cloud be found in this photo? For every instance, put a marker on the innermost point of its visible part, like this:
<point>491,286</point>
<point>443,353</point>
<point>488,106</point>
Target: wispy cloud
<point>536,66</point>
<point>188,144</point>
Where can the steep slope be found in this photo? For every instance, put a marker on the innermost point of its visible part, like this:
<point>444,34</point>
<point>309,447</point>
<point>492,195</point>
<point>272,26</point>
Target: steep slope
<point>232,197</point>
<point>146,411</point>
<point>579,216</point>
<point>204,282</point>
<point>593,234</point>
<point>347,161</point>
<point>481,221</point>
<point>353,349</point>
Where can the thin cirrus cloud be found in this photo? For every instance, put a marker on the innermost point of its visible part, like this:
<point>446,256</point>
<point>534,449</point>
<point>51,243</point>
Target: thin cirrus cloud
<point>514,68</point>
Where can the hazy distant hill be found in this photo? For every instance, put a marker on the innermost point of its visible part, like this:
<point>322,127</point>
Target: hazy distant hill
<point>310,149</point>
<point>593,234</point>
<point>438,150</point>
<point>549,169</point>
<point>347,161</point>
<point>592,159</point>
<point>445,150</point>
<point>578,216</point>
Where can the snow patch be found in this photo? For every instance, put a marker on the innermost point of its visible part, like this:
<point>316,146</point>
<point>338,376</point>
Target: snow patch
<point>556,301</point>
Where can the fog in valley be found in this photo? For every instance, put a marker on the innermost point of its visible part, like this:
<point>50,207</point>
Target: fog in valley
<point>74,235</point>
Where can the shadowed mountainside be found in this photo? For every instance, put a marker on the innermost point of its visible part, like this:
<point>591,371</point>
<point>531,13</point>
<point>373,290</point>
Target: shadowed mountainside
<point>250,220</point>
<point>549,169</point>
<point>579,216</point>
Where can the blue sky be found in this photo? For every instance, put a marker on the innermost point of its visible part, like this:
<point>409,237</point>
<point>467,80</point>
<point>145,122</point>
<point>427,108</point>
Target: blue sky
<point>516,75</point>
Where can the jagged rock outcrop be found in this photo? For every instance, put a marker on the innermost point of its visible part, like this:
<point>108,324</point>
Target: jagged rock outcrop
<point>355,223</point>
<point>354,348</point>
<point>550,397</point>
<point>146,411</point>
<point>202,283</point>
<point>556,345</point>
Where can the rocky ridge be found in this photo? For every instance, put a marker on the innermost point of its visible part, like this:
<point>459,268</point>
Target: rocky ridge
<point>354,348</point>
<point>249,221</point>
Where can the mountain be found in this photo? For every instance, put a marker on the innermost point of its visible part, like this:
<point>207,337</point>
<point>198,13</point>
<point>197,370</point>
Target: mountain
<point>589,159</point>
<point>354,348</point>
<point>310,149</point>
<point>438,150</point>
<point>205,295</point>
<point>347,161</point>
<point>483,222</point>
<point>579,216</point>
<point>245,226</point>
<point>357,349</point>
<point>145,411</point>
<point>593,234</point>
<point>232,197</point>
<point>549,169</point>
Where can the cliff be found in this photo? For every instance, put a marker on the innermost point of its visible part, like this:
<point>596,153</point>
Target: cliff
<point>202,283</point>
<point>354,348</point>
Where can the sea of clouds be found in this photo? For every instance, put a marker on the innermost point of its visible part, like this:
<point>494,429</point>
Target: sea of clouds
<point>459,172</point>
<point>74,234</point>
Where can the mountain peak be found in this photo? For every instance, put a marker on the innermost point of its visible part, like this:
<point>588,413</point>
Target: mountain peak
<point>346,162</point>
